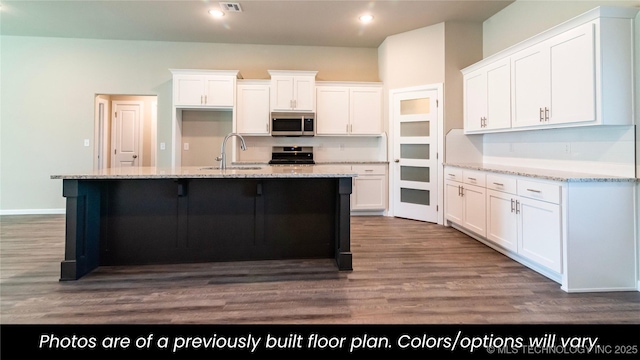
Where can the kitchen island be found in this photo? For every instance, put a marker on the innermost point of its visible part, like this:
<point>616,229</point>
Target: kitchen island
<point>149,215</point>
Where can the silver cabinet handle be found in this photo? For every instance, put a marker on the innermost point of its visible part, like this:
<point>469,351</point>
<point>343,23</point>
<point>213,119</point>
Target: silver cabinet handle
<point>546,114</point>
<point>541,114</point>
<point>513,205</point>
<point>517,206</point>
<point>495,183</point>
<point>534,190</point>
<point>473,179</point>
<point>452,175</point>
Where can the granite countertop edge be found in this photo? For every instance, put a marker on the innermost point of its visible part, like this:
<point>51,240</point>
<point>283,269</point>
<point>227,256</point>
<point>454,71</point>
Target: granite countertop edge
<point>563,176</point>
<point>268,172</point>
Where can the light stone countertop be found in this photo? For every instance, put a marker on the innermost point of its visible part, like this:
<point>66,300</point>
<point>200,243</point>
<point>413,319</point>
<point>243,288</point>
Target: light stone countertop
<point>205,172</point>
<point>555,175</point>
<point>358,162</point>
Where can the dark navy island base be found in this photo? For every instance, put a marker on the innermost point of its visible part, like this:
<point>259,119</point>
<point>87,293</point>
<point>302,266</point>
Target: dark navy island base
<point>134,221</point>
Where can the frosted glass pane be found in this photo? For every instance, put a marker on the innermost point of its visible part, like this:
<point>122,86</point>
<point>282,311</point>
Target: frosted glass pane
<point>418,128</point>
<point>413,196</point>
<point>414,173</point>
<point>414,151</point>
<point>415,106</point>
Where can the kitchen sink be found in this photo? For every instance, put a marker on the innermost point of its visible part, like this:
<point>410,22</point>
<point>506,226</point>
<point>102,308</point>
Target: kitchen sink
<point>231,168</point>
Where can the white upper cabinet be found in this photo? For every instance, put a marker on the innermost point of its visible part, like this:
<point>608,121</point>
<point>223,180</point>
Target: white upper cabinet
<point>332,115</point>
<point>579,73</point>
<point>293,90</point>
<point>253,111</point>
<point>365,110</point>
<point>555,82</point>
<point>349,109</point>
<point>487,93</point>
<point>204,88</point>
<point>530,86</point>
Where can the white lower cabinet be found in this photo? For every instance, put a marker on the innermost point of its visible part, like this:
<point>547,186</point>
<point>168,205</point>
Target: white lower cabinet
<point>579,233</point>
<point>369,188</point>
<point>502,222</point>
<point>466,203</point>
<point>520,216</point>
<point>528,227</point>
<point>539,234</point>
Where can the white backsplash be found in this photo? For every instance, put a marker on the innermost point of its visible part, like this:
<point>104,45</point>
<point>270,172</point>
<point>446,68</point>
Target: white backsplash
<point>598,150</point>
<point>325,148</point>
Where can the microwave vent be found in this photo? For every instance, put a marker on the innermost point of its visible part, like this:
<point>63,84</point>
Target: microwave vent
<point>231,6</point>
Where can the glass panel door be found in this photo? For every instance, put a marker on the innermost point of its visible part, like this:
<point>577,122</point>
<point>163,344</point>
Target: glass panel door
<point>415,128</point>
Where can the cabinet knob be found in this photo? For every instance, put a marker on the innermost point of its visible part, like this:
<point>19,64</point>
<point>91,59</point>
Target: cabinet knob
<point>397,160</point>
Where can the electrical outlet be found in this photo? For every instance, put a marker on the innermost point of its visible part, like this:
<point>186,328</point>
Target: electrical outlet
<point>567,148</point>
<point>163,146</point>
<point>341,147</point>
<point>86,142</point>
<point>186,146</point>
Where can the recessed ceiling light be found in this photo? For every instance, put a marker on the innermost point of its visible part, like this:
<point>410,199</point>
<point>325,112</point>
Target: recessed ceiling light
<point>216,13</point>
<point>366,18</point>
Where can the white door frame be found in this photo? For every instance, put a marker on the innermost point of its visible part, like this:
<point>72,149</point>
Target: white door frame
<point>101,137</point>
<point>440,139</point>
<point>114,106</point>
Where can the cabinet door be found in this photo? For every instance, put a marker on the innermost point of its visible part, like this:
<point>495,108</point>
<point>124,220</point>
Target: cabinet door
<point>219,91</point>
<point>539,233</point>
<point>253,109</point>
<point>303,93</point>
<point>530,86</point>
<point>475,100</point>
<point>332,110</point>
<point>502,224</point>
<point>474,209</point>
<point>369,193</point>
<point>188,90</point>
<point>453,202</point>
<point>498,98</point>
<point>282,87</point>
<point>365,111</point>
<point>573,76</point>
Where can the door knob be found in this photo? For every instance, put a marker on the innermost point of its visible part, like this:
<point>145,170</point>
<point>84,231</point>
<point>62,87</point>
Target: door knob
<point>135,156</point>
<point>397,160</point>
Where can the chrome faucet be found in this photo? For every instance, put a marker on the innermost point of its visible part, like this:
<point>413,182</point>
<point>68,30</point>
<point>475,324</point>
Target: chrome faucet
<point>223,156</point>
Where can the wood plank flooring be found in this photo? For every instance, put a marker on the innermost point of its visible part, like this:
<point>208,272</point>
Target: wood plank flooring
<point>405,272</point>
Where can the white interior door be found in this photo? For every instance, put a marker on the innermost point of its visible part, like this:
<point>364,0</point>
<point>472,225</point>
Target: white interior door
<point>126,134</point>
<point>415,119</point>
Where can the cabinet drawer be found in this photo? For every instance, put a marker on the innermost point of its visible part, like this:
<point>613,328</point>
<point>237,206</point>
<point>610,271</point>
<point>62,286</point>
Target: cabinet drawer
<point>369,169</point>
<point>454,174</point>
<point>539,190</point>
<point>501,183</point>
<point>473,177</point>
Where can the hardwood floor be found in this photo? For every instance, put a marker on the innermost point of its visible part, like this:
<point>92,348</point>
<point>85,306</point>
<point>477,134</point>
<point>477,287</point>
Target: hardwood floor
<point>405,272</point>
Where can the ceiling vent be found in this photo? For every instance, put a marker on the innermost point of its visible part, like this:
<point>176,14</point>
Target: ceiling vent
<point>231,7</point>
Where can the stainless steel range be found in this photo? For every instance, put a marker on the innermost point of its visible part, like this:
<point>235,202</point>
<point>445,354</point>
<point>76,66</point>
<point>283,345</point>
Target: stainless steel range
<point>292,155</point>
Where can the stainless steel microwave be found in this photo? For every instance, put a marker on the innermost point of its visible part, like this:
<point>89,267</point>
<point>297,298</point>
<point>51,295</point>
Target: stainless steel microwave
<point>293,124</point>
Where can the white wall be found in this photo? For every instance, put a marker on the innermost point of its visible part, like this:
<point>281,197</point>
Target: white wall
<point>49,86</point>
<point>526,18</point>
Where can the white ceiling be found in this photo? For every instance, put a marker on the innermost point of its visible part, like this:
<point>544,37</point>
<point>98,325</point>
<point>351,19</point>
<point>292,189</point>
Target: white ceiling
<point>293,22</point>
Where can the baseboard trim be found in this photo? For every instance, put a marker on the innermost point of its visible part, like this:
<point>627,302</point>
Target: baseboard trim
<point>33,212</point>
